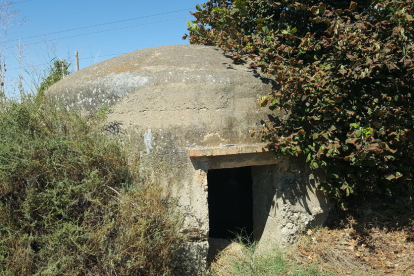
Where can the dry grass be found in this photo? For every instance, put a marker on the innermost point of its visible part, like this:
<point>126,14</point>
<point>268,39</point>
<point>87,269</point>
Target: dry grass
<point>373,238</point>
<point>222,265</point>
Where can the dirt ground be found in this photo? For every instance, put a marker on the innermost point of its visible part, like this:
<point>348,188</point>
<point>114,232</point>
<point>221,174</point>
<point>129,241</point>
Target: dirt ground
<point>374,237</point>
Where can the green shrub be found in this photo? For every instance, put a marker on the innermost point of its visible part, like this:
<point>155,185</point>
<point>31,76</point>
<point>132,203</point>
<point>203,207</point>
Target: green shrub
<point>344,72</point>
<point>68,201</point>
<point>58,70</point>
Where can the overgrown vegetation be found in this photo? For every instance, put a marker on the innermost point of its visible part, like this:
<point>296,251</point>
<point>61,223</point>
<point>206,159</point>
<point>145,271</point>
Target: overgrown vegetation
<point>240,259</point>
<point>345,73</point>
<point>68,201</point>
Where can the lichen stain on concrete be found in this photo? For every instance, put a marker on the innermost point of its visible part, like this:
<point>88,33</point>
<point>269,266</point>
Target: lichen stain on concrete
<point>213,139</point>
<point>148,140</point>
<point>118,81</point>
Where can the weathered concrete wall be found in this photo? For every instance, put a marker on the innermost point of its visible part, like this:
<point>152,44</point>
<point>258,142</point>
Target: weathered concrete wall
<point>171,100</point>
<point>286,202</point>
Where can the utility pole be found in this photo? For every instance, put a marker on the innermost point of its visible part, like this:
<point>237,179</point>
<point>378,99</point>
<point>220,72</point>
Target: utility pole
<point>63,68</point>
<point>77,60</point>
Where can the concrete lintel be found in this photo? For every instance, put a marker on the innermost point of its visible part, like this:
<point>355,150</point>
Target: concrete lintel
<point>227,150</point>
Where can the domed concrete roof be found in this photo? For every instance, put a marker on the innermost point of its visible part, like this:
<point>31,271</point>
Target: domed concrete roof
<point>185,85</point>
<point>110,80</point>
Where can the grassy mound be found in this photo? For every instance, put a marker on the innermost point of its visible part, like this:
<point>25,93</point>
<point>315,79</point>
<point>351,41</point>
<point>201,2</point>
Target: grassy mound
<point>68,202</point>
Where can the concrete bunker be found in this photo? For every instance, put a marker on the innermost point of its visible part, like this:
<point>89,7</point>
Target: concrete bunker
<point>188,110</point>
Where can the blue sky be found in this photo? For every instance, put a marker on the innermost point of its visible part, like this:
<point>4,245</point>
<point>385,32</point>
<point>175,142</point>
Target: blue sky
<point>47,29</point>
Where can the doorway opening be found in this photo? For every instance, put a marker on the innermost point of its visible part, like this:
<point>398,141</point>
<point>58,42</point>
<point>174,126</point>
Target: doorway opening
<point>230,203</point>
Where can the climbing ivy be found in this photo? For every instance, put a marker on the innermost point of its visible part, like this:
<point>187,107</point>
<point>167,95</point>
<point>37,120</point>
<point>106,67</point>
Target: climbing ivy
<point>345,73</point>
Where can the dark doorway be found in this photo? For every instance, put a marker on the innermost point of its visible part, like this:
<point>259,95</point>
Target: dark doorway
<point>230,203</point>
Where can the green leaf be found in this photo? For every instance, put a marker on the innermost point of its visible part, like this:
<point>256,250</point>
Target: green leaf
<point>308,158</point>
<point>217,9</point>
<point>390,177</point>
<point>260,20</point>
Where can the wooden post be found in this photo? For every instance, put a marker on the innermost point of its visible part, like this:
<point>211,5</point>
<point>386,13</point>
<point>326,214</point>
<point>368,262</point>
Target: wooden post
<point>77,60</point>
